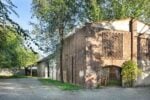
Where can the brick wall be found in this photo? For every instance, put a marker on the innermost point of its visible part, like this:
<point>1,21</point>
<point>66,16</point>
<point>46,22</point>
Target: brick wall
<point>96,46</point>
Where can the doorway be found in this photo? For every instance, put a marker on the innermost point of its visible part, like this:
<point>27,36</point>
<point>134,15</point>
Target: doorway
<point>114,75</point>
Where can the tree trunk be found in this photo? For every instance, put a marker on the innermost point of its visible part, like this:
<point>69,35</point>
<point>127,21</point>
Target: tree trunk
<point>31,71</point>
<point>131,30</point>
<point>26,71</point>
<point>48,69</point>
<point>61,54</point>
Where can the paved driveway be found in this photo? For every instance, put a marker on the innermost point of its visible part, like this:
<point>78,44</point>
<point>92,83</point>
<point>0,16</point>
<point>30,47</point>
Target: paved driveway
<point>32,89</point>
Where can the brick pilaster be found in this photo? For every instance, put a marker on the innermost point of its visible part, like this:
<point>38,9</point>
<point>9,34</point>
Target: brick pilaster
<point>133,30</point>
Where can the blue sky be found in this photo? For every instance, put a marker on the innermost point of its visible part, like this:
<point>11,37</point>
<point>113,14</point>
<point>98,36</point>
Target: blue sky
<point>24,11</point>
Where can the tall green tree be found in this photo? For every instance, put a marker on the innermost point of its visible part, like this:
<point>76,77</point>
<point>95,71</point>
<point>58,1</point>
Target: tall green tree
<point>60,16</point>
<point>13,53</point>
<point>117,9</point>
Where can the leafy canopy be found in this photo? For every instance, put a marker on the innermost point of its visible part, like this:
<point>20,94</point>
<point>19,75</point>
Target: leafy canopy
<point>97,10</point>
<point>58,14</point>
<point>12,51</point>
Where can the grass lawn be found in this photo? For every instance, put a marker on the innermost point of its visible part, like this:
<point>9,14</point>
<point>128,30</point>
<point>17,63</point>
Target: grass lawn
<point>13,76</point>
<point>63,86</point>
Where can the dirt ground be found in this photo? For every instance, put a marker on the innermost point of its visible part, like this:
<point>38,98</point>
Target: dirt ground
<point>32,89</point>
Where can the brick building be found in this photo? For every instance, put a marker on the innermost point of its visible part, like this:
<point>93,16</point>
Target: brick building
<point>93,55</point>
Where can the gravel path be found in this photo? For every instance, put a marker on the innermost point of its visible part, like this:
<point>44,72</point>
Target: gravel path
<point>32,89</point>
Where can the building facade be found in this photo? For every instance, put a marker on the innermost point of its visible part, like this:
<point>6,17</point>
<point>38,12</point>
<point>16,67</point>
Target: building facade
<point>46,68</point>
<point>94,54</point>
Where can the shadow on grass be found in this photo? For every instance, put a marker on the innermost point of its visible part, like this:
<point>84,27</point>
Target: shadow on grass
<point>62,86</point>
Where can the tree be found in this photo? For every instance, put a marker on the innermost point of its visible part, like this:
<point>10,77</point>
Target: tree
<point>117,9</point>
<point>45,43</point>
<point>13,53</point>
<point>60,16</point>
<point>92,10</point>
<point>6,8</point>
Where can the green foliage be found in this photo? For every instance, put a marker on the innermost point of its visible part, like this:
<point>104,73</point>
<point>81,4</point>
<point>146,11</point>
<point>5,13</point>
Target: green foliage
<point>63,86</point>
<point>116,9</point>
<point>6,8</point>
<point>58,14</point>
<point>129,73</point>
<point>93,10</point>
<point>12,51</point>
<point>130,8</point>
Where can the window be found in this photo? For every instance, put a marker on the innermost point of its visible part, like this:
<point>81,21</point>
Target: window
<point>144,48</point>
<point>112,45</point>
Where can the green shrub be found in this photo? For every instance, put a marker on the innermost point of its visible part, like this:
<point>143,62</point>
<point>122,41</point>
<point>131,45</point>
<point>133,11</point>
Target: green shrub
<point>129,73</point>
